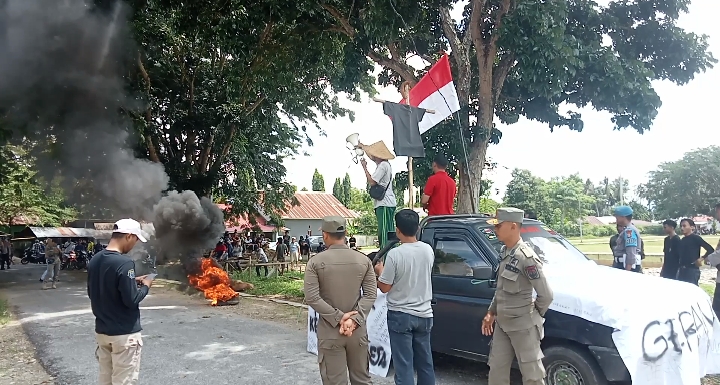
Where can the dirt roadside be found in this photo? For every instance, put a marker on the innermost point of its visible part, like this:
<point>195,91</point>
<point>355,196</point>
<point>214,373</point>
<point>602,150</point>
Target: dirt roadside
<point>18,364</point>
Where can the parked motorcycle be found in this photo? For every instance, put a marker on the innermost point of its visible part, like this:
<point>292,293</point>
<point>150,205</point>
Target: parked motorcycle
<point>29,257</point>
<point>68,261</point>
<point>81,260</point>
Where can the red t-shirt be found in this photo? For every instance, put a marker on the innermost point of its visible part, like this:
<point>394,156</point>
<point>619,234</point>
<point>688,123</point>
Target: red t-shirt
<point>441,189</point>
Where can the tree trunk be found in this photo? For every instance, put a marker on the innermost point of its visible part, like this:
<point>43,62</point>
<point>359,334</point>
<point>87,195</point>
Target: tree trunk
<point>469,193</point>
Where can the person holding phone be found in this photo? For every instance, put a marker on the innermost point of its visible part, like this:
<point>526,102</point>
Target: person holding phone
<point>115,295</point>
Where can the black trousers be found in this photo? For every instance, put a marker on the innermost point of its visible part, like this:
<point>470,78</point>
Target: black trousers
<point>689,275</point>
<point>669,272</point>
<point>716,300</point>
<point>257,270</point>
<point>4,259</point>
<point>621,266</point>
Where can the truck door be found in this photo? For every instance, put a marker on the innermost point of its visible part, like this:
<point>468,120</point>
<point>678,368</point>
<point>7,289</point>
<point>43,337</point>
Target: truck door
<point>459,300</point>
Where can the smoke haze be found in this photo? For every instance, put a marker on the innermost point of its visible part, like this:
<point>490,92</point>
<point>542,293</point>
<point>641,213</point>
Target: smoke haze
<point>186,226</point>
<point>62,85</point>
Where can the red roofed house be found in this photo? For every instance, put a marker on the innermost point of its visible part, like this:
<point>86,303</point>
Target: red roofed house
<point>312,207</point>
<point>242,224</point>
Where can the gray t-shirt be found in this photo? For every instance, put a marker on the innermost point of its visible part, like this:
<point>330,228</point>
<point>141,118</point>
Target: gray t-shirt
<point>383,176</point>
<point>408,269</point>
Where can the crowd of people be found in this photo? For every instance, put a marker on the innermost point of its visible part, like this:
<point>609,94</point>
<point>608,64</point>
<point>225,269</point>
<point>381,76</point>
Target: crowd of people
<point>334,278</point>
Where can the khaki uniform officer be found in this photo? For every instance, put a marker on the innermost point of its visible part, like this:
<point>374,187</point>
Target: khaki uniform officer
<point>519,318</point>
<point>333,283</point>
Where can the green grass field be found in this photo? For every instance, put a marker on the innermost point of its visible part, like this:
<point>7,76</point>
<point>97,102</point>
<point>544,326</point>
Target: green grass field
<point>653,244</point>
<point>288,286</point>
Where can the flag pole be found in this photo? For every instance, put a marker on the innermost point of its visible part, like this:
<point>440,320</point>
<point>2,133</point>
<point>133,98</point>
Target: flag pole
<point>411,195</point>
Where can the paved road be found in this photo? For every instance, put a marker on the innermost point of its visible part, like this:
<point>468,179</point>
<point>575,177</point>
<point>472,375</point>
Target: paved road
<point>186,341</point>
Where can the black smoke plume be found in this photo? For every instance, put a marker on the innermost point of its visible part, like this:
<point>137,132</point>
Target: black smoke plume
<point>186,226</point>
<point>62,87</point>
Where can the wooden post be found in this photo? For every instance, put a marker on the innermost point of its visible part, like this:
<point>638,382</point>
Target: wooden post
<point>411,193</point>
<point>405,91</point>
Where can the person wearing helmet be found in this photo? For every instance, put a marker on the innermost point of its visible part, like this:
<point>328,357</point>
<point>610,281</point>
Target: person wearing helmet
<point>628,247</point>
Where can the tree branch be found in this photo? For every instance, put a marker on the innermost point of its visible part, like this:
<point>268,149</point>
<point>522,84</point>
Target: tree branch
<point>226,149</point>
<point>402,69</point>
<point>345,26</point>
<point>152,150</point>
<point>500,74</point>
<point>504,8</point>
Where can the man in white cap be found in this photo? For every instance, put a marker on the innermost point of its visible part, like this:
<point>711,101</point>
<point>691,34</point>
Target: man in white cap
<point>115,295</point>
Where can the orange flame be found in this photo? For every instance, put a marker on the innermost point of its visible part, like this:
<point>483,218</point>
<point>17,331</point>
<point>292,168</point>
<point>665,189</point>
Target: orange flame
<point>214,282</point>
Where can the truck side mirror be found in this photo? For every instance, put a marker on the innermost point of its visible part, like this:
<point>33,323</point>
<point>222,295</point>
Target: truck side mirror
<point>484,273</point>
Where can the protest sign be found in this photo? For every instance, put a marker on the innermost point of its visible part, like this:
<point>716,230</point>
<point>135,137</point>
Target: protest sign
<point>665,331</point>
<point>377,334</point>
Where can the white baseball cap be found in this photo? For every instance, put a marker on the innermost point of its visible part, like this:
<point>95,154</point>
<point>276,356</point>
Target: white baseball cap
<point>129,226</point>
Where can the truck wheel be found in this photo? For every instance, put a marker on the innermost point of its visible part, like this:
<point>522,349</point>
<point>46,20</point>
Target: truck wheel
<point>567,365</point>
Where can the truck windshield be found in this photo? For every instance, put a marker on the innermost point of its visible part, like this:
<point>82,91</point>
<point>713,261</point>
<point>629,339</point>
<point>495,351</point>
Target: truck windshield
<point>548,245</point>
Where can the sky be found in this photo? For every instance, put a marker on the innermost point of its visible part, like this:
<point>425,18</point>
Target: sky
<point>686,121</point>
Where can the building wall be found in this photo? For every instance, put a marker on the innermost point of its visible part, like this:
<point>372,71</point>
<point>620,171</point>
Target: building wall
<point>299,227</point>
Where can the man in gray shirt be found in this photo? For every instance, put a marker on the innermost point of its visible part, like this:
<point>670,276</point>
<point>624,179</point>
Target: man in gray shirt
<point>406,278</point>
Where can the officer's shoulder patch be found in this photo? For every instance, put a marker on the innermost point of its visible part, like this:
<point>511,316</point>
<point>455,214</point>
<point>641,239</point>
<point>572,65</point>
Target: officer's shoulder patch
<point>532,272</point>
<point>131,273</point>
<point>526,251</point>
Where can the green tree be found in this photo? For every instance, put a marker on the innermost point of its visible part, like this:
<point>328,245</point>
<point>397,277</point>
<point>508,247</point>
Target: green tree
<point>640,211</point>
<point>685,187</point>
<point>23,194</point>
<point>346,188</point>
<point>304,189</point>
<point>338,190</point>
<point>361,202</point>
<point>488,205</point>
<point>527,192</point>
<point>318,182</point>
<point>528,58</point>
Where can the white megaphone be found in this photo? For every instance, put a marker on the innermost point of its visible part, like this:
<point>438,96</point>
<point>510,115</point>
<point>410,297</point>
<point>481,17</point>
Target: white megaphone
<point>354,145</point>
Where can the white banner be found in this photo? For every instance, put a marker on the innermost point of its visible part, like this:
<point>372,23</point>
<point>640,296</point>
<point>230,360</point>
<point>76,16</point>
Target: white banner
<point>665,331</point>
<point>377,334</point>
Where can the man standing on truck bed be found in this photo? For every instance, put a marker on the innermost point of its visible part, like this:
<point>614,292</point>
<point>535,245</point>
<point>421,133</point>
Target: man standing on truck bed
<point>439,193</point>
<point>519,318</point>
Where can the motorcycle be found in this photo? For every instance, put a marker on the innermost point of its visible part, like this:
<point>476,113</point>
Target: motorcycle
<point>69,261</point>
<point>29,257</point>
<point>82,260</point>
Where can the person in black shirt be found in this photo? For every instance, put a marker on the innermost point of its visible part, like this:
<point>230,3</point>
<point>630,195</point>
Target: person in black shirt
<point>281,250</point>
<point>671,251</point>
<point>115,295</point>
<point>286,238</point>
<point>714,261</point>
<point>690,252</point>
<point>353,242</point>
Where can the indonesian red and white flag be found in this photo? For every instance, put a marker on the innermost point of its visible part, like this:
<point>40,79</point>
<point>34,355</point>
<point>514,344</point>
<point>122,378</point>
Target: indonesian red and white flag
<point>429,91</point>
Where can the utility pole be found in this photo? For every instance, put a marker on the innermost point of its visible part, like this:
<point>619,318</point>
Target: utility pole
<point>622,198</point>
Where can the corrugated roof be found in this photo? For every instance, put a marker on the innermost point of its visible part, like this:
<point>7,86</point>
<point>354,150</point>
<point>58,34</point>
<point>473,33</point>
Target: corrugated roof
<point>316,205</point>
<point>65,232</point>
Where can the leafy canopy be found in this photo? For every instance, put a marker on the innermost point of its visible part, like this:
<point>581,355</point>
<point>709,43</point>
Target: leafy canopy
<point>25,197</point>
<point>685,187</point>
<point>231,89</point>
<point>543,60</point>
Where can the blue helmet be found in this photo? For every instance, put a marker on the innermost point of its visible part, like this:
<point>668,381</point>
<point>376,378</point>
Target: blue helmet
<point>623,211</point>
